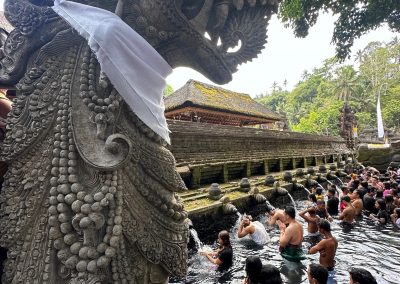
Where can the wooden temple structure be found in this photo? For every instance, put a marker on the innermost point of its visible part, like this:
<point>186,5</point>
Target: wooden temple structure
<point>219,150</point>
<point>200,102</point>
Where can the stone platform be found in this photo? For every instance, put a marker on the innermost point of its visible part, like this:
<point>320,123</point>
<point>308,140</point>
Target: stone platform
<point>207,153</point>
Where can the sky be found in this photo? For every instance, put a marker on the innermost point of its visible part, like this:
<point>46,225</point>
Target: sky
<point>284,57</point>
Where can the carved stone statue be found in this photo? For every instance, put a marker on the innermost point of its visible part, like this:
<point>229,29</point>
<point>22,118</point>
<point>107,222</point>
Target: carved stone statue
<point>90,195</point>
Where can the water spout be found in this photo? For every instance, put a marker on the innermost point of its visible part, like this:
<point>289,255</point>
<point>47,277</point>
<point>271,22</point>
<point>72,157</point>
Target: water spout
<point>255,194</point>
<point>339,180</point>
<point>280,190</point>
<point>227,206</point>
<point>303,187</point>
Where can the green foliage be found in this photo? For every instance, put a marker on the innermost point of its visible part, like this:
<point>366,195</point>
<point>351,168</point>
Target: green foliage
<point>355,18</point>
<point>168,90</point>
<point>313,105</point>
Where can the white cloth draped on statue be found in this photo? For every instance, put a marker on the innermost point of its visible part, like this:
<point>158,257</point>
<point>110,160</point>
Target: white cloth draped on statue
<point>133,66</point>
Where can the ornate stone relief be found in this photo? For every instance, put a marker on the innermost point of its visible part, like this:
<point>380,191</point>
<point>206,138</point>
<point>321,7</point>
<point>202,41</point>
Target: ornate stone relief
<point>90,193</point>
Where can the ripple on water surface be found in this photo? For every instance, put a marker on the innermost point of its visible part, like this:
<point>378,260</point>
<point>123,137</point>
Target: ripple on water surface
<point>367,245</point>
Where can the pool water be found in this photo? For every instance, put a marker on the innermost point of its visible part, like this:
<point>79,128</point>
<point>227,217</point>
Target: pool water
<point>367,245</point>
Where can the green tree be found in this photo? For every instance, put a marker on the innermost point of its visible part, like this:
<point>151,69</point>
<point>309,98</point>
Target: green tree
<point>313,105</point>
<point>345,83</point>
<point>354,18</point>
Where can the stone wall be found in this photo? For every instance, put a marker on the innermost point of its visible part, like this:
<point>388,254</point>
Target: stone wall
<point>208,153</point>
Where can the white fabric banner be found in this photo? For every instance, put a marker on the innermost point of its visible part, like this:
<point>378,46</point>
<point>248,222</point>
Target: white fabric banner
<point>133,66</point>
<point>381,132</point>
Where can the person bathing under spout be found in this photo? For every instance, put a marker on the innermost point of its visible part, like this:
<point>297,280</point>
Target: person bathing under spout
<point>223,257</point>
<point>274,215</point>
<point>255,230</point>
<point>291,237</point>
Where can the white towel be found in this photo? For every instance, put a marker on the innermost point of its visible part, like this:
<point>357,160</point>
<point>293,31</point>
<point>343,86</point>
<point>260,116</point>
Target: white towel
<point>133,66</point>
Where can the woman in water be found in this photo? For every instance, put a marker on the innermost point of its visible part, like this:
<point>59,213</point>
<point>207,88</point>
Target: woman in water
<point>396,218</point>
<point>223,257</point>
<point>256,273</point>
<point>382,217</point>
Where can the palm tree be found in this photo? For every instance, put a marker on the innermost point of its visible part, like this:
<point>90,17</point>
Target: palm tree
<point>275,86</point>
<point>345,83</point>
<point>359,56</point>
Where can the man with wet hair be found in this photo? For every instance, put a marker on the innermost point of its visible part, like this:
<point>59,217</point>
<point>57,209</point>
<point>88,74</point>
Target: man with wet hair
<point>369,200</point>
<point>349,212</point>
<point>321,210</point>
<point>311,218</point>
<point>317,274</point>
<point>357,202</point>
<point>254,229</point>
<point>291,237</point>
<point>361,276</point>
<point>326,247</point>
<point>332,203</point>
<point>274,215</point>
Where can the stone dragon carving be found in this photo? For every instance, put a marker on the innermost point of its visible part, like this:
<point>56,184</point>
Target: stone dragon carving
<point>90,195</point>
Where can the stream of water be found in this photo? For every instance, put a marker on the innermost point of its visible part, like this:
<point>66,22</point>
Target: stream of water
<point>293,203</point>
<point>367,245</point>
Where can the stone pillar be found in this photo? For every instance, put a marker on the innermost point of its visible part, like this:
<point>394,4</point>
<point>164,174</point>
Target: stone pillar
<point>281,165</point>
<point>196,175</point>
<point>225,173</point>
<point>305,162</point>
<point>266,170</point>
<point>293,163</point>
<point>248,169</point>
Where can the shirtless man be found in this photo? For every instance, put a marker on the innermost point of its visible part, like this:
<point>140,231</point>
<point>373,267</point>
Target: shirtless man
<point>274,215</point>
<point>326,248</point>
<point>347,216</point>
<point>357,202</point>
<point>255,230</point>
<point>311,218</point>
<point>291,237</point>
<point>322,211</point>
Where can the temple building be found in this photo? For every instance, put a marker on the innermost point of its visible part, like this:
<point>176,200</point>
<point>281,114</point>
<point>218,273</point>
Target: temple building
<point>200,102</point>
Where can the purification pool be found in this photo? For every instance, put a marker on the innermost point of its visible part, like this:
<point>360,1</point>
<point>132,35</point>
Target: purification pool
<point>367,245</point>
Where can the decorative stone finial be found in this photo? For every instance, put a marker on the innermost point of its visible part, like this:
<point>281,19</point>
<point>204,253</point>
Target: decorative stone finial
<point>287,176</point>
<point>269,180</point>
<point>311,170</point>
<point>299,172</point>
<point>214,192</point>
<point>244,185</point>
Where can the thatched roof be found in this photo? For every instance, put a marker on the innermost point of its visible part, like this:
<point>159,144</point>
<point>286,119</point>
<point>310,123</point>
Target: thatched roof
<point>197,94</point>
<point>4,24</point>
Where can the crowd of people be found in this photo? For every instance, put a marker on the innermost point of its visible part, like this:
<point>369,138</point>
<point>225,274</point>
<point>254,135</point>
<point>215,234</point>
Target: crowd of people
<point>365,194</point>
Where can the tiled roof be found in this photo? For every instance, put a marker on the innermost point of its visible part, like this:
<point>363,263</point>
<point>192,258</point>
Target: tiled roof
<point>195,93</point>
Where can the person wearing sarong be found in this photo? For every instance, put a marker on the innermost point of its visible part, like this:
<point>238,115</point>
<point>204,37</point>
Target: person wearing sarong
<point>291,237</point>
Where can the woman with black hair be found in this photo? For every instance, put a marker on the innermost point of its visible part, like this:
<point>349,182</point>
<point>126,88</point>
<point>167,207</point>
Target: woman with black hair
<point>396,218</point>
<point>223,256</point>
<point>256,273</point>
<point>382,217</point>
